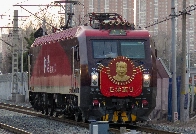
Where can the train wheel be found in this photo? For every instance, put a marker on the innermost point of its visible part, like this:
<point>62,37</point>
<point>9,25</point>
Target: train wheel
<point>50,111</point>
<point>35,106</point>
<point>55,114</point>
<point>46,111</point>
<point>76,117</point>
<point>42,110</point>
<point>84,119</point>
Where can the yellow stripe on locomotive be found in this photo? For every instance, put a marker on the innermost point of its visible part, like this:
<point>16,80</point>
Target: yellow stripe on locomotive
<point>124,116</point>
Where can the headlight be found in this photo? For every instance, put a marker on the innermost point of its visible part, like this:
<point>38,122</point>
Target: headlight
<point>146,76</point>
<point>94,78</point>
<point>146,80</point>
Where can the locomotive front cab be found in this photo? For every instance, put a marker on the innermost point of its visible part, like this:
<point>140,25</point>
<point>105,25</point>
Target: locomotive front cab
<point>122,88</point>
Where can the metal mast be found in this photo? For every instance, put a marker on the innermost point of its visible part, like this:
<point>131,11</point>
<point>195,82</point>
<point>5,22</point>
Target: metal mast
<point>68,15</point>
<point>135,11</point>
<point>15,56</point>
<point>174,89</point>
<point>184,116</point>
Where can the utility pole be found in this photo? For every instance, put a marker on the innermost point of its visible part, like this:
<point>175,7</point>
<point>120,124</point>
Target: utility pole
<point>22,77</point>
<point>174,89</point>
<point>29,69</point>
<point>70,14</point>
<point>44,26</point>
<point>66,11</point>
<point>184,109</point>
<point>15,57</point>
<point>135,11</point>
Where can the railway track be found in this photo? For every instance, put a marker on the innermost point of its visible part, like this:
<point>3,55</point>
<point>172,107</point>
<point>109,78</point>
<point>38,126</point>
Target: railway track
<point>8,127</point>
<point>13,129</point>
<point>151,130</point>
<point>32,112</point>
<point>139,128</point>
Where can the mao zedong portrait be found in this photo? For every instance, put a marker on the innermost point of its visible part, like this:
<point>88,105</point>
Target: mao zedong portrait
<point>121,70</point>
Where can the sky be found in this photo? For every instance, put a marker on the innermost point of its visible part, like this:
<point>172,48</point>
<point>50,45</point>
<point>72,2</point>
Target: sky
<point>7,10</point>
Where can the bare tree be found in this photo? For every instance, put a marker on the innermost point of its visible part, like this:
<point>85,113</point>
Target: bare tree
<point>163,46</point>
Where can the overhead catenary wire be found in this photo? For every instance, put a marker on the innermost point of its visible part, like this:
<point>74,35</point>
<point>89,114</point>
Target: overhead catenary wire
<point>42,18</point>
<point>186,10</point>
<point>25,10</point>
<point>36,15</point>
<point>6,13</point>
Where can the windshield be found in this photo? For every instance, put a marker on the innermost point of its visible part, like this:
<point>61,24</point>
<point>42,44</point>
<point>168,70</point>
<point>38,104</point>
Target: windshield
<point>105,49</point>
<point>113,48</point>
<point>133,49</point>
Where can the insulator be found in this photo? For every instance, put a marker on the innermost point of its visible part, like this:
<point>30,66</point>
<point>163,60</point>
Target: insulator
<point>128,24</point>
<point>123,23</point>
<point>116,22</point>
<point>110,23</point>
<point>103,23</point>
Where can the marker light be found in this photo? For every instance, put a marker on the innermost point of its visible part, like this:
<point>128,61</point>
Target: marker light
<point>94,78</point>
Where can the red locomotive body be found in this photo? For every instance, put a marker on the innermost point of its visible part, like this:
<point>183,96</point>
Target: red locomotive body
<point>86,73</point>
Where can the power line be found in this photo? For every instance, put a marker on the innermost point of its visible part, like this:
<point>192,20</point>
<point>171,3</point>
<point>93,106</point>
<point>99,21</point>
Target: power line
<point>55,3</point>
<point>6,42</point>
<point>37,5</point>
<point>36,15</point>
<point>11,9</point>
<point>187,10</point>
<point>48,5</point>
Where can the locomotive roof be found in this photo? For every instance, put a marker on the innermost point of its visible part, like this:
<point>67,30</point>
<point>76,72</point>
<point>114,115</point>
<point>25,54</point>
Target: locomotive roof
<point>75,32</point>
<point>62,35</point>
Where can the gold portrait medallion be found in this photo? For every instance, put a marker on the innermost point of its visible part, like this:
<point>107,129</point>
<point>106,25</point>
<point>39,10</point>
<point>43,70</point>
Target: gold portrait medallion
<point>121,70</point>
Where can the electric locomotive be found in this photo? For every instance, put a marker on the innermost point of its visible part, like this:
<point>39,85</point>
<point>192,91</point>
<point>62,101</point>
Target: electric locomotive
<point>102,71</point>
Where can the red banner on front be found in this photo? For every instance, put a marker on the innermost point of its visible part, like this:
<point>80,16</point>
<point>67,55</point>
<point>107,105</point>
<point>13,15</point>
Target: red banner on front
<point>129,86</point>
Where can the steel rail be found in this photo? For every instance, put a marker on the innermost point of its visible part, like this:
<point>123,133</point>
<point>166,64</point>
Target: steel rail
<point>32,112</point>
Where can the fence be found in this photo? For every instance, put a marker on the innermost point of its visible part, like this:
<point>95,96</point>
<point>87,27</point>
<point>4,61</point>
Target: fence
<point>6,86</point>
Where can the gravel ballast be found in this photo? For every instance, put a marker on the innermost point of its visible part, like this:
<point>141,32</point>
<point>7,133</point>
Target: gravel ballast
<point>38,125</point>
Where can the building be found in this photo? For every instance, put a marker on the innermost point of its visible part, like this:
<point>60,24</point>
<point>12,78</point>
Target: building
<point>144,13</point>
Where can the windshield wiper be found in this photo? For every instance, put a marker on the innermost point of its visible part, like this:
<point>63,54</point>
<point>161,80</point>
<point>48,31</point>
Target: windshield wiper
<point>110,55</point>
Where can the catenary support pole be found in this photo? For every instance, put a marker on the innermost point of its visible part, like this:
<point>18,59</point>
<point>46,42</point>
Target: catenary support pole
<point>184,109</point>
<point>22,77</point>
<point>44,26</point>
<point>15,56</point>
<point>135,11</point>
<point>174,89</point>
